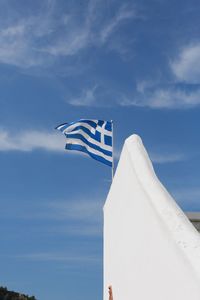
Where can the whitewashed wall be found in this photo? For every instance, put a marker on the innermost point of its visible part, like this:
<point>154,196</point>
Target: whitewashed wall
<point>151,251</point>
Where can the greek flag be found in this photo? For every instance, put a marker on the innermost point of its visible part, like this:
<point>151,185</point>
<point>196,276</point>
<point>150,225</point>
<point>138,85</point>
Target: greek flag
<point>93,137</point>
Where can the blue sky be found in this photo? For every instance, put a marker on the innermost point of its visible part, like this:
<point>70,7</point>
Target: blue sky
<point>136,62</point>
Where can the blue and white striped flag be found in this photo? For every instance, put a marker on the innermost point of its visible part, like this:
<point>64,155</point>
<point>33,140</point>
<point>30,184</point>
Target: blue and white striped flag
<point>93,137</point>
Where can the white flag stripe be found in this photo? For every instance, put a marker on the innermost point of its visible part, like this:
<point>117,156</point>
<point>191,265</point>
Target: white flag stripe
<point>92,150</point>
<point>77,124</point>
<point>71,127</point>
<point>93,130</point>
<point>103,130</point>
<point>90,139</point>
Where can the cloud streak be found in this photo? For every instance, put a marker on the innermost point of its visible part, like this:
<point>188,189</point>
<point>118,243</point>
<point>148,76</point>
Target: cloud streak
<point>159,157</point>
<point>87,98</point>
<point>186,67</point>
<point>164,98</point>
<point>31,140</point>
<point>163,158</point>
<point>75,210</point>
<point>71,217</point>
<point>181,92</point>
<point>84,230</point>
<point>123,14</point>
<point>43,37</point>
<point>60,257</point>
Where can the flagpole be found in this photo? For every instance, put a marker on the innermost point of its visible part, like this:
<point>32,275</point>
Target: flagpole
<point>112,150</point>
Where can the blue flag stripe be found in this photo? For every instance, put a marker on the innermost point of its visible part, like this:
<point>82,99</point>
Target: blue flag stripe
<point>65,126</point>
<point>95,134</point>
<point>86,130</point>
<point>83,149</point>
<point>108,126</point>
<point>96,141</point>
<point>81,138</point>
<point>92,123</point>
<point>90,144</point>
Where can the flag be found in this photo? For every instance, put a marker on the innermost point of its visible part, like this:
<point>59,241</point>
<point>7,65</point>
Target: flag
<point>93,137</point>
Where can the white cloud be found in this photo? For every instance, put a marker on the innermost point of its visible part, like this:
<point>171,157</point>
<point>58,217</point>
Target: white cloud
<point>186,67</point>
<point>170,98</point>
<point>84,210</point>
<point>163,158</point>
<point>72,218</point>
<point>37,40</point>
<point>124,13</point>
<point>87,98</point>
<point>69,217</point>
<point>13,31</point>
<point>144,85</point>
<point>97,96</point>
<point>31,140</point>
<point>77,40</point>
<point>17,44</point>
<point>85,230</point>
<point>82,36</point>
<point>147,95</point>
<point>159,158</point>
<point>164,98</point>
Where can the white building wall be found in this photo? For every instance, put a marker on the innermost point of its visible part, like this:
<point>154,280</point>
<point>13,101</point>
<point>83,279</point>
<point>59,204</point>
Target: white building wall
<point>151,251</point>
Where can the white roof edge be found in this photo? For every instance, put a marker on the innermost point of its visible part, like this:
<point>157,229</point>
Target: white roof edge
<point>183,232</point>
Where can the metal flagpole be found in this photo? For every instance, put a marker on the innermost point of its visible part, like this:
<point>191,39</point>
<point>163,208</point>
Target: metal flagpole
<point>112,150</point>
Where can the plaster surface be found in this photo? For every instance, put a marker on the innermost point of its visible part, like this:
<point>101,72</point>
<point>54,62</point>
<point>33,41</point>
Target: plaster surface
<point>159,260</point>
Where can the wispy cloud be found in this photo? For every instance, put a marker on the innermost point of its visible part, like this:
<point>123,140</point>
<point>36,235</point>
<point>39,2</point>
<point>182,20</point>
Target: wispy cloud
<point>87,98</point>
<point>77,40</point>
<point>186,67</point>
<point>150,94</point>
<point>183,94</point>
<point>31,140</point>
<point>160,157</point>
<point>164,158</point>
<point>82,36</point>
<point>164,98</point>
<point>175,98</point>
<point>123,14</point>
<point>83,229</point>
<point>76,210</point>
<point>71,217</point>
<point>61,257</point>
<point>21,40</point>
<point>96,96</point>
<point>41,38</point>
<point>15,48</point>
